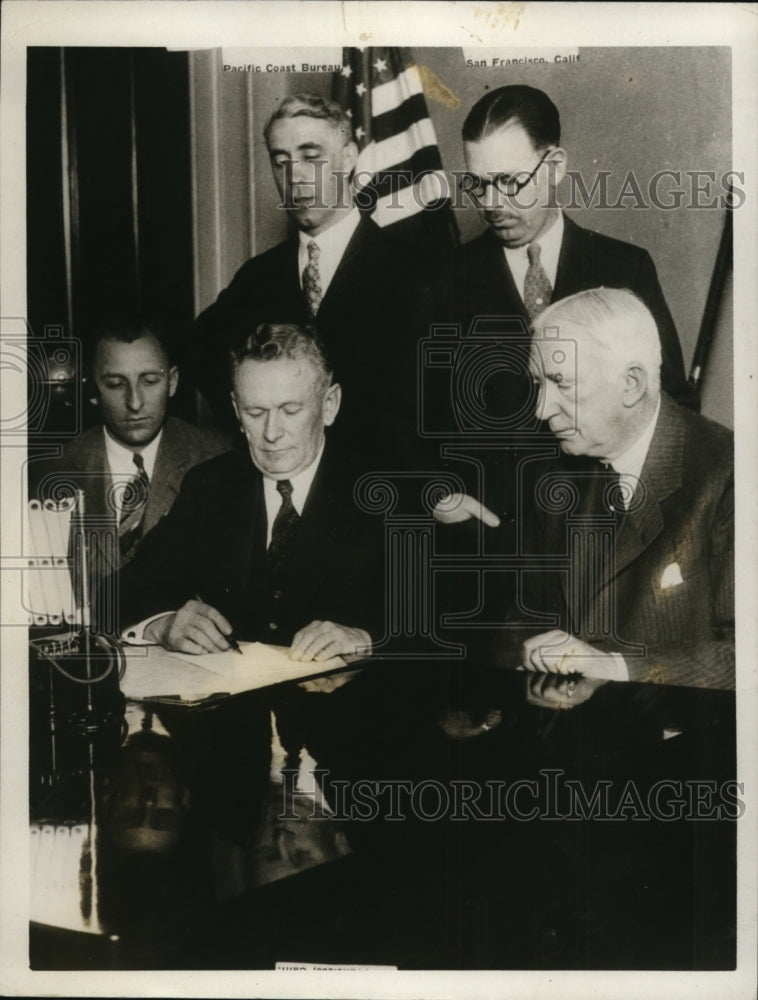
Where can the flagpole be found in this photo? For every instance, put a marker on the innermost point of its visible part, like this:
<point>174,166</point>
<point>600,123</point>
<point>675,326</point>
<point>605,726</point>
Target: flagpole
<point>721,269</point>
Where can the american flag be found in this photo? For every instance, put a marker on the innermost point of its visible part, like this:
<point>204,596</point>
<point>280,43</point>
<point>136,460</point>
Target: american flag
<point>399,176</point>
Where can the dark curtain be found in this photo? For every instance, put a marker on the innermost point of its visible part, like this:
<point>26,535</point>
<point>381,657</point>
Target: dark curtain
<point>109,212</point>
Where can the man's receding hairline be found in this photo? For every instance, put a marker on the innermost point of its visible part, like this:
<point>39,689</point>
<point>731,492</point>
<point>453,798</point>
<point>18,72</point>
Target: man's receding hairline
<point>109,338</point>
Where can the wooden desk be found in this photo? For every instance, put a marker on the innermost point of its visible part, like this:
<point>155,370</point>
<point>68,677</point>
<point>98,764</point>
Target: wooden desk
<point>190,864</point>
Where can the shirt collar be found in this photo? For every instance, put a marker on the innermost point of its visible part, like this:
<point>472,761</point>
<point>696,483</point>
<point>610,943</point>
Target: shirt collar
<point>334,240</point>
<point>121,459</point>
<point>630,462</point>
<point>301,485</point>
<point>550,249</point>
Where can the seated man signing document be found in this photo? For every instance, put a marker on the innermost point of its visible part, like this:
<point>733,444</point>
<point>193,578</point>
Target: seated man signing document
<point>629,549</point>
<point>265,543</point>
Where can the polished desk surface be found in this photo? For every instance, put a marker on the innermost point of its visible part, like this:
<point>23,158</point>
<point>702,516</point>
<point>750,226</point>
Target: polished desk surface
<point>441,829</point>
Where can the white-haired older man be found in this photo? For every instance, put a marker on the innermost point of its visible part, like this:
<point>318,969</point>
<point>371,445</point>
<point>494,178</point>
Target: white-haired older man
<point>633,525</point>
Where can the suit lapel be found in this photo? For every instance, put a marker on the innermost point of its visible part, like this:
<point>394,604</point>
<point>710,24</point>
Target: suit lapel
<point>343,285</point>
<point>290,277</point>
<point>92,462</point>
<point>494,291</point>
<point>321,529</point>
<point>90,466</point>
<point>570,262</point>
<point>171,463</point>
<point>243,538</point>
<point>661,476</point>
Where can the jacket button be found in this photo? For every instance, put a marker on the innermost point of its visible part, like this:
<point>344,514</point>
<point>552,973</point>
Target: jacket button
<point>277,594</point>
<point>273,626</point>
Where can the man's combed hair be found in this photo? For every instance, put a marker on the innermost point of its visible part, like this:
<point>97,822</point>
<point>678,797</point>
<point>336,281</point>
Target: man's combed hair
<point>276,341</point>
<point>615,319</point>
<point>531,108</point>
<point>126,328</point>
<point>312,106</point>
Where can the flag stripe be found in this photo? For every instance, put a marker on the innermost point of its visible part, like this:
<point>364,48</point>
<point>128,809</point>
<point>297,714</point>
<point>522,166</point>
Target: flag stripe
<point>399,171</point>
<point>407,172</point>
<point>394,208</point>
<point>386,96</point>
<point>399,118</point>
<point>399,148</point>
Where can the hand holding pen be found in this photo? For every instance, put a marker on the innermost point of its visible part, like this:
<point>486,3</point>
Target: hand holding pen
<point>196,627</point>
<point>223,625</point>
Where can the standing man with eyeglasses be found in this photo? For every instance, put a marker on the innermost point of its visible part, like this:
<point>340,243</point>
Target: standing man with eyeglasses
<point>530,255</point>
<point>533,254</point>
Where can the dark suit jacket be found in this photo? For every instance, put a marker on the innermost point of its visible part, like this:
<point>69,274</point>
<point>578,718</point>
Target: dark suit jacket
<point>365,319</point>
<point>213,544</point>
<point>481,284</point>
<point>83,464</point>
<point>671,586</point>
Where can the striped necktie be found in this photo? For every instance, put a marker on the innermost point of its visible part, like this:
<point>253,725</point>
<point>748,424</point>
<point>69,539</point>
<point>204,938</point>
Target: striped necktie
<point>133,506</point>
<point>312,278</point>
<point>537,287</point>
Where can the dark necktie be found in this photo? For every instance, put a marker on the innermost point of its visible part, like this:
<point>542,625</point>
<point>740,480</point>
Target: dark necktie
<point>312,278</point>
<point>537,287</point>
<point>600,506</point>
<point>133,505</point>
<point>284,527</point>
<point>602,496</point>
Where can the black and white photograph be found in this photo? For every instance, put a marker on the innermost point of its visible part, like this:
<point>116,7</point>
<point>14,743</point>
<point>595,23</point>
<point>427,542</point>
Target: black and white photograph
<point>379,545</point>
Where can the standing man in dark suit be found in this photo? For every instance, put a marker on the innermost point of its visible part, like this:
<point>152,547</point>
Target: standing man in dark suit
<point>340,270</point>
<point>532,253</point>
<point>266,542</point>
<point>637,516</point>
<point>131,467</point>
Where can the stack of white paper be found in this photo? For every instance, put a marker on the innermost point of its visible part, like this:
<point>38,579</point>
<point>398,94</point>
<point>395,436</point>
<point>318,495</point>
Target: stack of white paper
<point>153,672</point>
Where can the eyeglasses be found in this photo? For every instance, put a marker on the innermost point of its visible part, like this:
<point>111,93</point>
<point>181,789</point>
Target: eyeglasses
<point>507,184</point>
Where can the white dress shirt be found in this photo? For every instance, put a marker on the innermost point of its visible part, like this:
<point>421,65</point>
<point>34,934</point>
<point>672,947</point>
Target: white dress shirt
<point>121,461</point>
<point>301,485</point>
<point>629,464</point>
<point>550,249</point>
<point>332,243</point>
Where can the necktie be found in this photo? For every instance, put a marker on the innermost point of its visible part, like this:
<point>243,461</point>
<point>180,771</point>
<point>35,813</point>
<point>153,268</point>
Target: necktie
<point>593,542</point>
<point>312,278</point>
<point>537,287</point>
<point>284,527</point>
<point>133,505</point>
<point>602,494</point>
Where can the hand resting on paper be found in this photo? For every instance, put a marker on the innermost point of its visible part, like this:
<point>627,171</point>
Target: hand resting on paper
<point>195,628</point>
<point>322,640</point>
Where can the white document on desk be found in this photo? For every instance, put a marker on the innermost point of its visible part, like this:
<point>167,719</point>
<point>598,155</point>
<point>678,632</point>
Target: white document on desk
<point>153,672</point>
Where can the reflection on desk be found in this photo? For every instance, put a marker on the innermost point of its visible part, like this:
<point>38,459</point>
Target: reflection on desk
<point>417,815</point>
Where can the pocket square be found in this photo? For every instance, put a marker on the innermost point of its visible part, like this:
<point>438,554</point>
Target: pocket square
<point>672,576</point>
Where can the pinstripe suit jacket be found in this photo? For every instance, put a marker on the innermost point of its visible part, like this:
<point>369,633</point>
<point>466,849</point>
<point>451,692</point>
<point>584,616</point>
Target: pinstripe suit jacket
<point>83,464</point>
<point>665,598</point>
